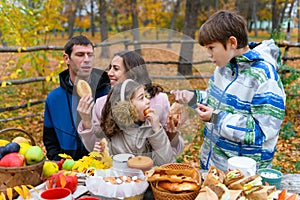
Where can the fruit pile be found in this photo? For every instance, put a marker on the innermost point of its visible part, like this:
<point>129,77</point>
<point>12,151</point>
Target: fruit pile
<point>19,152</point>
<point>14,155</point>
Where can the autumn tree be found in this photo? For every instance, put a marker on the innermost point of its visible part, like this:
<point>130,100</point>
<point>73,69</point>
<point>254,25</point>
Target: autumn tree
<point>186,50</point>
<point>25,24</point>
<point>103,27</point>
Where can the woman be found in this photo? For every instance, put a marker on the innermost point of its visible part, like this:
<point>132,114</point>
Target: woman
<point>125,65</point>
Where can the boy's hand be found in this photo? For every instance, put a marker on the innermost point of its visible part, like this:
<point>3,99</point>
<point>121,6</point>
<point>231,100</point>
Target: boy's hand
<point>204,112</point>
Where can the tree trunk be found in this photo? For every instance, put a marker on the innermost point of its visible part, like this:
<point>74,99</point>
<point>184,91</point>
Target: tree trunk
<point>274,17</point>
<point>186,50</point>
<point>103,28</point>
<point>288,30</point>
<point>254,17</point>
<point>72,16</point>
<point>135,26</point>
<point>92,19</point>
<point>298,16</point>
<point>173,21</point>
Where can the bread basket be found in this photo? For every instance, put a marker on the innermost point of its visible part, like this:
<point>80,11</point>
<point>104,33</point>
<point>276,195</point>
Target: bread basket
<point>164,195</point>
<point>17,176</point>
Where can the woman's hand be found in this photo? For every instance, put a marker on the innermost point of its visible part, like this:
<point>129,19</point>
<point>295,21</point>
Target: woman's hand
<point>182,96</point>
<point>84,109</point>
<point>204,112</point>
<point>173,125</point>
<point>99,147</point>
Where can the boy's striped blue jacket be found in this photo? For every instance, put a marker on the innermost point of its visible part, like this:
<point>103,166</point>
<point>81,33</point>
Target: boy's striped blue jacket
<point>249,98</point>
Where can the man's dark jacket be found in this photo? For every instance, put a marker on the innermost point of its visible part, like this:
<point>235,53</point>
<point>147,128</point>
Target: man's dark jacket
<point>61,117</point>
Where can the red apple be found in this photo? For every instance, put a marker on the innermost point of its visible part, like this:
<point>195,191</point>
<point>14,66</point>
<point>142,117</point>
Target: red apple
<point>64,179</point>
<point>12,160</point>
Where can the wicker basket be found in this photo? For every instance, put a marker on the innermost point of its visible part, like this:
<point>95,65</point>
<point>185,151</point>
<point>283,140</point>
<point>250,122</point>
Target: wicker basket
<point>16,176</point>
<point>163,195</point>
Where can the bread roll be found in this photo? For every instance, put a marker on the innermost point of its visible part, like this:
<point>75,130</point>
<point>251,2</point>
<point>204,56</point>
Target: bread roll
<point>143,163</point>
<point>177,187</point>
<point>83,88</point>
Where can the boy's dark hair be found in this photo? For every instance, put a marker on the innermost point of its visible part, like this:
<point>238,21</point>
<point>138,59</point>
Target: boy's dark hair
<point>76,40</point>
<point>221,26</point>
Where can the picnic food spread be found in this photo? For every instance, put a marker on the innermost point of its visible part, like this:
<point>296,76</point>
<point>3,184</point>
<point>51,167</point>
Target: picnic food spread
<point>169,181</point>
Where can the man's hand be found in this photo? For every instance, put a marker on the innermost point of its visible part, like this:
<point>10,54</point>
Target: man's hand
<point>84,109</point>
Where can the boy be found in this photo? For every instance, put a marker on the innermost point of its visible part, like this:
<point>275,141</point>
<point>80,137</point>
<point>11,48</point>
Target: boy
<point>243,106</point>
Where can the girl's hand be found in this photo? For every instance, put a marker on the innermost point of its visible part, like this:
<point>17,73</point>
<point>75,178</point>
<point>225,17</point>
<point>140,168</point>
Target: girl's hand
<point>84,109</point>
<point>204,112</point>
<point>153,118</point>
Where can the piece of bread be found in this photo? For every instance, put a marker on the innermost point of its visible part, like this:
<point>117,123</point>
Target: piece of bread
<point>232,176</point>
<point>214,192</point>
<point>240,184</point>
<point>172,175</point>
<point>143,163</point>
<point>214,176</point>
<point>177,187</point>
<point>262,193</point>
<point>83,88</point>
<point>176,109</point>
<point>207,193</point>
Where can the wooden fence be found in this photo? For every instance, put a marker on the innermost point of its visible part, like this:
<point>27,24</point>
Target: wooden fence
<point>127,43</point>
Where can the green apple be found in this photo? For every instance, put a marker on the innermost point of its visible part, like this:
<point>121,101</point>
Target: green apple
<point>68,164</point>
<point>49,168</point>
<point>23,148</point>
<point>34,155</point>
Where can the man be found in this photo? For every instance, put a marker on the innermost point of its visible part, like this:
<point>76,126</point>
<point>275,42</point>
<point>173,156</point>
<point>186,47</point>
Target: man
<point>60,117</point>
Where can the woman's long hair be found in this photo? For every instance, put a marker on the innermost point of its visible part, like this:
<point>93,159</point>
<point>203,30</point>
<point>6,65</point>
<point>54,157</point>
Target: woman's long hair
<point>135,67</point>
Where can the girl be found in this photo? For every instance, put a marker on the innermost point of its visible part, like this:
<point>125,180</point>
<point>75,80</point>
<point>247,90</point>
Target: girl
<point>129,130</point>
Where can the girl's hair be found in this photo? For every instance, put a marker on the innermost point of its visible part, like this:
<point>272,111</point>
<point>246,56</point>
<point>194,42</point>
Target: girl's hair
<point>135,67</point>
<point>221,26</point>
<point>119,113</point>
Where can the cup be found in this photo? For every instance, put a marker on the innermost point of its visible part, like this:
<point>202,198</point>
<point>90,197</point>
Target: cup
<point>245,164</point>
<point>270,176</point>
<point>56,194</point>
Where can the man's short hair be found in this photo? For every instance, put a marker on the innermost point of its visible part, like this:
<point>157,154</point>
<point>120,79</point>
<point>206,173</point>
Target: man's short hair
<point>76,40</point>
<point>221,26</point>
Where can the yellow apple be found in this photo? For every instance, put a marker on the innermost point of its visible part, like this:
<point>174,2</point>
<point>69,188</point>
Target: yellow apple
<point>49,168</point>
<point>20,139</point>
<point>23,148</point>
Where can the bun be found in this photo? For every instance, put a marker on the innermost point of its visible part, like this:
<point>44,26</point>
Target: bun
<point>177,187</point>
<point>175,110</point>
<point>83,88</point>
<point>214,176</point>
<point>143,163</point>
<point>232,176</point>
<point>262,193</point>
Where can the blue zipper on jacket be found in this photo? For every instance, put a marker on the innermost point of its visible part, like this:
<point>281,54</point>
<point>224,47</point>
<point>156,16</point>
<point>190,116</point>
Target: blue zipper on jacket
<point>235,72</point>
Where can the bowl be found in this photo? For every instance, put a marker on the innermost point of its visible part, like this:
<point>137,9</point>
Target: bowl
<point>270,176</point>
